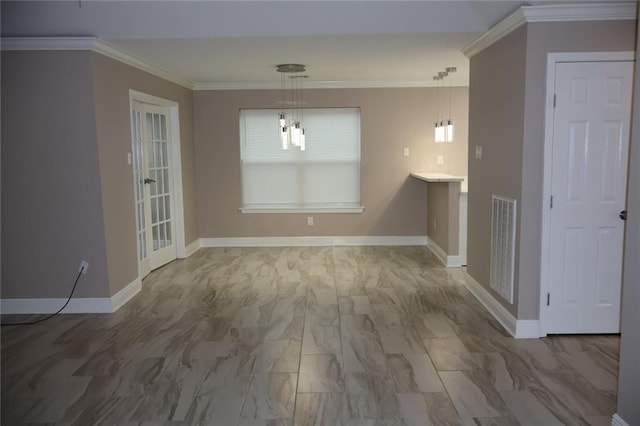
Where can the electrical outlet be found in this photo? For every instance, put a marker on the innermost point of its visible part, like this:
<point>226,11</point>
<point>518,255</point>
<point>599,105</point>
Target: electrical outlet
<point>435,224</point>
<point>440,160</point>
<point>84,266</point>
<point>405,152</point>
<point>478,152</point>
<point>310,220</point>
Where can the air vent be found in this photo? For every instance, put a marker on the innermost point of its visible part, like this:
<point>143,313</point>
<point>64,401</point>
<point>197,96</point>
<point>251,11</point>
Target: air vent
<point>503,243</point>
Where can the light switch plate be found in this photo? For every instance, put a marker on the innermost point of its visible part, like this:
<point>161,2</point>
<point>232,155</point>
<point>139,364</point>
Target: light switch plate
<point>478,152</point>
<point>405,152</point>
<point>440,160</point>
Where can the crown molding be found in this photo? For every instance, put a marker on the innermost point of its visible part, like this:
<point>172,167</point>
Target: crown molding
<point>581,12</point>
<point>249,85</point>
<point>551,13</point>
<point>125,57</point>
<point>90,44</point>
<point>47,43</point>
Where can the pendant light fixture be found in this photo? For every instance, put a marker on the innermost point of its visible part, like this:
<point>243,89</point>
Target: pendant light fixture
<point>291,128</point>
<point>436,134</point>
<point>443,128</point>
<point>449,130</point>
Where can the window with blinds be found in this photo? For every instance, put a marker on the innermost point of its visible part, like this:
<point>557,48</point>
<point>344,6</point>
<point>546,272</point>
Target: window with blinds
<point>324,177</point>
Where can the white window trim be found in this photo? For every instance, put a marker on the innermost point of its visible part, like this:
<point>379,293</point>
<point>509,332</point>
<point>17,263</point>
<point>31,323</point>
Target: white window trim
<point>359,209</point>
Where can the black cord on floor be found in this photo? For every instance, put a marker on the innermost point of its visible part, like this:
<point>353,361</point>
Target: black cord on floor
<point>59,310</point>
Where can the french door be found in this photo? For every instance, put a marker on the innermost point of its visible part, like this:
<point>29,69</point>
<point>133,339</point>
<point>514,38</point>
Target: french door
<point>153,185</point>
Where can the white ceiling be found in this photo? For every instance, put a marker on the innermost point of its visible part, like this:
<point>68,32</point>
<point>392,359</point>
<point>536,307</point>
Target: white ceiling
<point>238,43</point>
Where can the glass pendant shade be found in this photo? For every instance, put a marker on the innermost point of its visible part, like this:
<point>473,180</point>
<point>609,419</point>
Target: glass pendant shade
<point>449,133</point>
<point>295,134</point>
<point>303,141</point>
<point>284,137</point>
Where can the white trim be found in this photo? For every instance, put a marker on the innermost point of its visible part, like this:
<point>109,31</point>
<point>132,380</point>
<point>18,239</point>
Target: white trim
<point>48,43</point>
<point>495,33</point>
<point>519,329</point>
<point>527,329</point>
<point>545,237</point>
<point>359,84</point>
<point>95,45</point>
<point>312,241</point>
<point>127,293</point>
<point>551,13</point>
<point>176,177</point>
<point>616,420</point>
<point>131,60</point>
<point>581,12</point>
<point>447,260</point>
<point>251,210</point>
<point>191,248</point>
<point>83,305</point>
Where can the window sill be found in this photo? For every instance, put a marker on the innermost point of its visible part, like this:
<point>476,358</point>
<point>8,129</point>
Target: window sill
<point>359,209</point>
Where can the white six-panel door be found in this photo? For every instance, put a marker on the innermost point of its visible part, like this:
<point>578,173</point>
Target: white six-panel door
<point>588,186</point>
<point>153,186</point>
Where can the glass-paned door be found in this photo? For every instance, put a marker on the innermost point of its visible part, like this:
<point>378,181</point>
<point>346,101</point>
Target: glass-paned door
<point>153,186</point>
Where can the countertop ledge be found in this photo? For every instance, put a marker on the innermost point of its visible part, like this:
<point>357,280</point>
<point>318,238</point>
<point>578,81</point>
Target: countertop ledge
<point>437,177</point>
<point>441,177</point>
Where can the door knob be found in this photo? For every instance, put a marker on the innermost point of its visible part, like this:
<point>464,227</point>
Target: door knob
<point>148,180</point>
<point>623,215</point>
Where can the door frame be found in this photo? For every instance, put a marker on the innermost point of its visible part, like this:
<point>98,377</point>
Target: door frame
<point>176,166</point>
<point>552,60</point>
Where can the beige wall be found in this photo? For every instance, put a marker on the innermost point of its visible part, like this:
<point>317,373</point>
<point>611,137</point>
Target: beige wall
<point>543,38</point>
<point>112,81</point>
<point>443,212</point>
<point>629,368</point>
<point>51,195</point>
<point>496,121</point>
<point>508,85</point>
<point>391,119</point>
<point>67,190</point>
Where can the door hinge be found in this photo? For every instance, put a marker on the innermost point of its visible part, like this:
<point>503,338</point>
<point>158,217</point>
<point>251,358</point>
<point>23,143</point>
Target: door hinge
<point>548,298</point>
<point>554,100</point>
<point>551,202</point>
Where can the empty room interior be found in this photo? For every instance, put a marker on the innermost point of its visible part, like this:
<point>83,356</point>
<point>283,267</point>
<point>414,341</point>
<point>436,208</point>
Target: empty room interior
<point>319,213</point>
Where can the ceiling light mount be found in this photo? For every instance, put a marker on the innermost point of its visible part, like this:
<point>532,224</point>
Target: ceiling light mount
<point>291,68</point>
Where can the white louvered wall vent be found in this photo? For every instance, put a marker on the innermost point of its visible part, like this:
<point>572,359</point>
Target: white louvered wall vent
<point>503,242</point>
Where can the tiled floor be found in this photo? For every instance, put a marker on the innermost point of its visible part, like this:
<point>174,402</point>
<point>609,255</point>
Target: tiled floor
<point>302,336</point>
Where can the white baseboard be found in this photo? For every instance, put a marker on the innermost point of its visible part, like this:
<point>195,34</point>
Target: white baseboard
<point>126,294</point>
<point>83,305</point>
<point>616,420</point>
<point>527,329</point>
<point>312,241</point>
<point>447,260</point>
<point>192,248</point>
<point>519,329</point>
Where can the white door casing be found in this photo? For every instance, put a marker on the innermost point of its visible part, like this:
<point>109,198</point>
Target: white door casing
<point>585,188</point>
<point>157,181</point>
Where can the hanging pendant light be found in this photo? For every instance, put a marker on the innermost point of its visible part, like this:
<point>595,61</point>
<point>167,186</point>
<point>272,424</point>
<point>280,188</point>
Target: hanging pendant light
<point>443,131</point>
<point>291,129</point>
<point>449,131</point>
<point>436,134</point>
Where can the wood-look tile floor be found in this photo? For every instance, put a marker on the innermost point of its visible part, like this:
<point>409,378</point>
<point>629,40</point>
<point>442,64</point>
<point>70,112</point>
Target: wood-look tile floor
<point>302,336</point>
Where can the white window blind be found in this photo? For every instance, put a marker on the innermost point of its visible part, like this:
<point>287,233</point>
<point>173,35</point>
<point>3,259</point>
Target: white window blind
<point>326,176</point>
